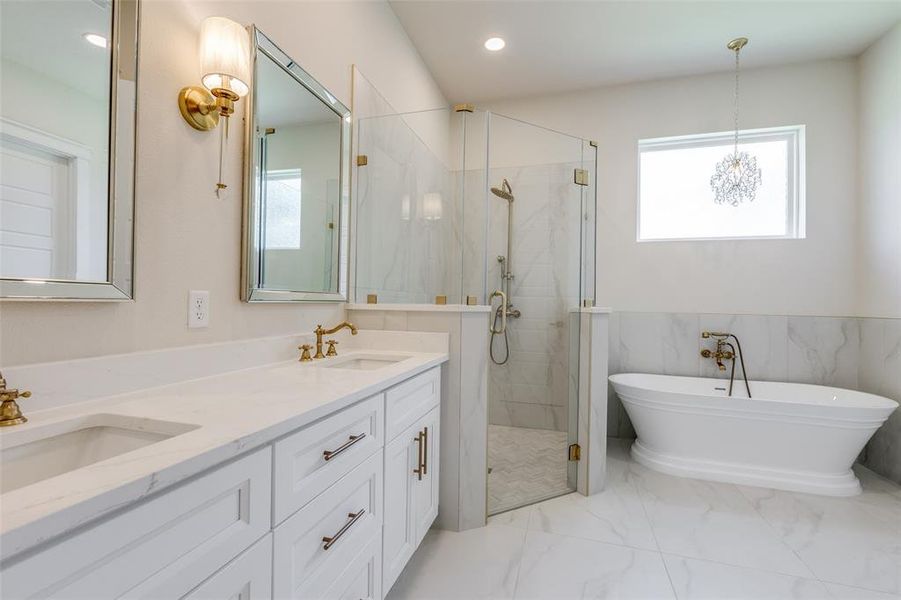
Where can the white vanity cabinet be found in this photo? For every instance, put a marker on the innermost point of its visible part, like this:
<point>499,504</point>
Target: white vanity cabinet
<point>328,511</point>
<point>248,577</point>
<point>161,548</point>
<point>411,471</point>
<point>314,545</point>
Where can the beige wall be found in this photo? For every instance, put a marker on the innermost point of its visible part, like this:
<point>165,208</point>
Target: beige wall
<point>815,276</point>
<point>187,238</point>
<point>880,177</point>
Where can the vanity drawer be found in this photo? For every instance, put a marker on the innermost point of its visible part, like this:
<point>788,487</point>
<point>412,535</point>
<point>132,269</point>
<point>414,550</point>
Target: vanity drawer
<point>406,402</point>
<point>303,470</point>
<point>159,549</point>
<point>361,580</point>
<point>248,577</point>
<point>302,566</point>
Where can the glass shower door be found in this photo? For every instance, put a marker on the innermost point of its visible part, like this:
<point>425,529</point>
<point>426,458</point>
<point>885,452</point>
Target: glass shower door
<point>534,205</point>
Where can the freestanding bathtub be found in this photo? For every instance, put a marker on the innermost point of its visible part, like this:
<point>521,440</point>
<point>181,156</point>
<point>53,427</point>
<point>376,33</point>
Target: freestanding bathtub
<point>789,436</point>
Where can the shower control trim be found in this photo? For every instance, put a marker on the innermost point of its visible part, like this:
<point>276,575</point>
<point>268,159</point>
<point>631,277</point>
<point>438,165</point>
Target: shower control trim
<point>503,310</point>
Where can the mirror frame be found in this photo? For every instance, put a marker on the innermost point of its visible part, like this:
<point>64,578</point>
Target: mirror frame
<point>119,285</point>
<point>250,250</point>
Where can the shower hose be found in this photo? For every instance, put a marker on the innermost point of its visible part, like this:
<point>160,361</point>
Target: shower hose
<point>497,315</point>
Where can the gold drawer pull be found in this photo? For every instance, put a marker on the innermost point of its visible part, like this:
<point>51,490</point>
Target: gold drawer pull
<point>425,451</point>
<point>420,469</point>
<point>330,454</point>
<point>354,517</point>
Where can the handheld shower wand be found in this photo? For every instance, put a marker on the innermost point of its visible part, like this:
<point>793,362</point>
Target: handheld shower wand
<point>505,192</point>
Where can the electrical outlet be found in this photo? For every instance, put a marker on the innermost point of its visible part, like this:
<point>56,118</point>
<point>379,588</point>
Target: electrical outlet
<point>198,309</point>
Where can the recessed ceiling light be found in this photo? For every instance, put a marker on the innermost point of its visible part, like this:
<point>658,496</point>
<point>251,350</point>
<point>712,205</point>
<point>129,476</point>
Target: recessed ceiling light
<point>494,44</point>
<point>95,39</point>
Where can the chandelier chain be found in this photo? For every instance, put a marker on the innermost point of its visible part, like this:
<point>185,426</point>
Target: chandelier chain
<point>736,177</point>
<point>735,99</point>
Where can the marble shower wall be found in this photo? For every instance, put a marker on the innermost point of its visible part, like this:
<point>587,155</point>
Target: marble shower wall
<point>407,246</point>
<point>855,353</point>
<point>533,388</point>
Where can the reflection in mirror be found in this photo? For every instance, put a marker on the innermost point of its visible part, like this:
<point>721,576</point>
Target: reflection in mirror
<point>300,166</point>
<point>56,142</point>
<point>296,140</point>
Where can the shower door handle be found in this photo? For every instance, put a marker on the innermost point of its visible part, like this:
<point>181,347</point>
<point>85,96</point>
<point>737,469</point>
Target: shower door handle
<point>503,297</point>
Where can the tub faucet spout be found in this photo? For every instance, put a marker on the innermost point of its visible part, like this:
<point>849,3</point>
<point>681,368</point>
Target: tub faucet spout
<point>725,350</point>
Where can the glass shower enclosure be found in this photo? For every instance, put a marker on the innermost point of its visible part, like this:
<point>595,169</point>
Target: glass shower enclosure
<point>470,206</point>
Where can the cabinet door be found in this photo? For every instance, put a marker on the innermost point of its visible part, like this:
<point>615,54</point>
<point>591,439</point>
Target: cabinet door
<point>399,537</point>
<point>248,577</point>
<point>425,490</point>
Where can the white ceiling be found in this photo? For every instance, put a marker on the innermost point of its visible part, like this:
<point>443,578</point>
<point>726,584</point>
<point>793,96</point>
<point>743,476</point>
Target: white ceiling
<point>561,45</point>
<point>46,36</point>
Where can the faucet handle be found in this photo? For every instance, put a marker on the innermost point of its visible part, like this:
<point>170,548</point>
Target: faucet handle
<point>331,348</point>
<point>7,395</point>
<point>305,354</point>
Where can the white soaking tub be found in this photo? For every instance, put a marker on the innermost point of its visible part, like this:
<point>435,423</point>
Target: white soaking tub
<point>789,436</point>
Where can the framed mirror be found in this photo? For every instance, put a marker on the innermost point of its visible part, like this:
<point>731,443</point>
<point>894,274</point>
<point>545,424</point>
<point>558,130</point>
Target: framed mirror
<point>297,184</point>
<point>67,149</point>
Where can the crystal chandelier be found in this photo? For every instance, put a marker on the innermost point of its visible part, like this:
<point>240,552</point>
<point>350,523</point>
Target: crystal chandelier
<point>737,176</point>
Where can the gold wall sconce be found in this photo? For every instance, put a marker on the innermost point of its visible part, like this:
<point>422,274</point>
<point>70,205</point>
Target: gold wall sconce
<point>225,64</point>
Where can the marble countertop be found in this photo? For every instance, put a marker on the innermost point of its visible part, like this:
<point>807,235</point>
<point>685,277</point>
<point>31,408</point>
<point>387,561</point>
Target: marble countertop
<point>234,413</point>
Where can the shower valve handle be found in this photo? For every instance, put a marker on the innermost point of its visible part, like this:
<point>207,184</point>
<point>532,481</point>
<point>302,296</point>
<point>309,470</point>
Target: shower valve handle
<point>503,309</point>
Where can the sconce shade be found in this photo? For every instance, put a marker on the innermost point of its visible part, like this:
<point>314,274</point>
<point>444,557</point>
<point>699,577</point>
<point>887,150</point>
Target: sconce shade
<point>431,206</point>
<point>405,207</point>
<point>225,55</point>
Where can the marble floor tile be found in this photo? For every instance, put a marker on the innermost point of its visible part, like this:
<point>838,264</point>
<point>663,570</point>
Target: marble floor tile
<point>615,515</point>
<point>845,592</point>
<point>842,540</point>
<point>518,518</point>
<point>479,563</point>
<point>881,496</point>
<point>694,579</point>
<point>560,567</point>
<point>712,521</point>
<point>698,540</point>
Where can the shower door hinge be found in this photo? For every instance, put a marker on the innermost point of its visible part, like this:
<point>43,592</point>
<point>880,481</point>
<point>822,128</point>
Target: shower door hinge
<point>580,176</point>
<point>362,160</point>
<point>575,452</point>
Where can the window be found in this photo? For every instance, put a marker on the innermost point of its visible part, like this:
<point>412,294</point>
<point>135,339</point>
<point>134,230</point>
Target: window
<point>283,196</point>
<point>675,201</point>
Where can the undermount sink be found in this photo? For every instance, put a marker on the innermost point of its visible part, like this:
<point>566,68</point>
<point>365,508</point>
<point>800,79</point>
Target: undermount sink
<point>32,455</point>
<point>368,362</point>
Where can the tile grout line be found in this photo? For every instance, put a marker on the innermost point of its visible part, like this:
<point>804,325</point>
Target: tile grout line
<point>522,550</point>
<point>779,535</point>
<point>644,510</point>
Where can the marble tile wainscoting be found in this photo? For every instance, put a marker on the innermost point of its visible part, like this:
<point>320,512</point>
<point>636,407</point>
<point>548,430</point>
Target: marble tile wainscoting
<point>855,353</point>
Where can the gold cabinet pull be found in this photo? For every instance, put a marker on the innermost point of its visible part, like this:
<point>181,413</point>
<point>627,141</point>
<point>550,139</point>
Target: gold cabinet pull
<point>330,454</point>
<point>425,451</point>
<point>420,469</point>
<point>352,518</point>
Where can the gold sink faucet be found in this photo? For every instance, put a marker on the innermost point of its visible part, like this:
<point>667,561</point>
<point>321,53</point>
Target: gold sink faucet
<point>10,413</point>
<point>319,331</point>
